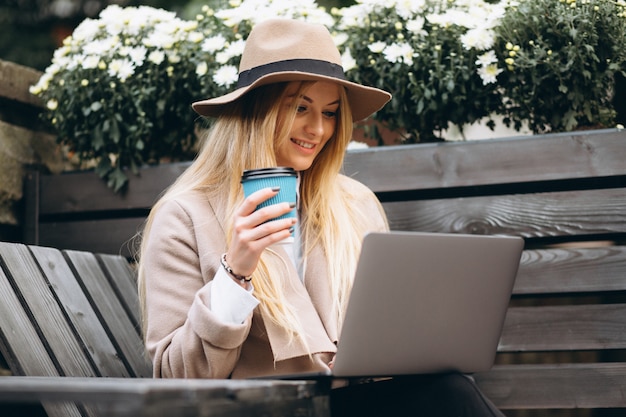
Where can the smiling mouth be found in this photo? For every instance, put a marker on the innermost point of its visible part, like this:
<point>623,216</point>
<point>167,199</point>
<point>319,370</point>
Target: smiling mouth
<point>305,145</point>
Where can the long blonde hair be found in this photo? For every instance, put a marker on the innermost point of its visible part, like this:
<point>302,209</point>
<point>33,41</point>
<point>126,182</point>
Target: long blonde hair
<point>245,136</point>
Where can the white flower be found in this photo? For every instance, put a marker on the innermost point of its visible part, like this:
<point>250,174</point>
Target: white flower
<point>489,73</point>
<point>487,58</point>
<point>416,25</point>
<point>159,39</point>
<point>377,47</point>
<point>478,38</point>
<point>399,52</point>
<point>226,75</point>
<point>137,55</point>
<point>86,31</point>
<point>102,46</point>
<point>121,68</point>
<point>156,57</point>
<point>255,11</point>
<point>52,104</point>
<point>173,58</point>
<point>195,37</point>
<point>340,38</point>
<point>347,61</point>
<point>90,62</point>
<point>214,43</point>
<point>232,50</point>
<point>201,69</point>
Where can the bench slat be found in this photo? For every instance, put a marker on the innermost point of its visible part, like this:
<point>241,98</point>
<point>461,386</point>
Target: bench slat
<point>43,306</point>
<point>20,344</point>
<point>569,327</point>
<point>571,270</point>
<point>147,397</point>
<point>113,235</point>
<point>528,215</point>
<point>122,279</point>
<point>563,156</point>
<point>19,335</point>
<point>80,312</point>
<point>566,386</point>
<point>105,301</point>
<point>77,192</point>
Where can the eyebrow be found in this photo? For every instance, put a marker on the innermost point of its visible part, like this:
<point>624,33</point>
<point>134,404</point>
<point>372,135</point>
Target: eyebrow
<point>311,101</point>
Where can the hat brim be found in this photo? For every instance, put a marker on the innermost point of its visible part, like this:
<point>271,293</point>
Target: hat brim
<point>364,101</point>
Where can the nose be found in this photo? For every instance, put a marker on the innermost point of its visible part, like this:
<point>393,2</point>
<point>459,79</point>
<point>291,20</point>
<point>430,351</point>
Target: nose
<point>314,125</point>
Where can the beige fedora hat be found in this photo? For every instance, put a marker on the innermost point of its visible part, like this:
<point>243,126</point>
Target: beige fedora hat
<point>280,50</point>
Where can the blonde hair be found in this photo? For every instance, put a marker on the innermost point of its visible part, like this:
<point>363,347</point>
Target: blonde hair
<point>245,136</point>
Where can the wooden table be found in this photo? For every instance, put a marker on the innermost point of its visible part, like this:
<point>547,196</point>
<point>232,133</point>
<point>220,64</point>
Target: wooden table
<point>117,397</point>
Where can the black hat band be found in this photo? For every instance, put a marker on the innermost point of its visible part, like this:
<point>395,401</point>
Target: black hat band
<point>312,66</point>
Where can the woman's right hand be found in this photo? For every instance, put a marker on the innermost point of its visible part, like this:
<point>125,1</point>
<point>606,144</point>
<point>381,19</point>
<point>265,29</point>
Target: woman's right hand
<point>253,232</point>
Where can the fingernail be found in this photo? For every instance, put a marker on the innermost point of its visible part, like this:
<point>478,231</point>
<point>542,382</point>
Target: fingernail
<point>291,230</point>
<point>276,189</point>
<point>292,205</point>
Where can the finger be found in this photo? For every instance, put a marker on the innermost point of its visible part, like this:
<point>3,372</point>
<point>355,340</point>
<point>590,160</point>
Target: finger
<point>251,202</point>
<point>247,246</point>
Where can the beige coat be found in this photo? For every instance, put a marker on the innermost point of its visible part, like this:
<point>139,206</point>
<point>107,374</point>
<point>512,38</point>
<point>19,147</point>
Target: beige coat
<point>183,336</point>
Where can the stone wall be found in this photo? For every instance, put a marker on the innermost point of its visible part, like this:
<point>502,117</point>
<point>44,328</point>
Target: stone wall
<point>24,143</point>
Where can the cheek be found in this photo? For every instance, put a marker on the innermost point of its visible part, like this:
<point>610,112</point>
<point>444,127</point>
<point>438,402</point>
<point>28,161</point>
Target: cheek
<point>329,129</point>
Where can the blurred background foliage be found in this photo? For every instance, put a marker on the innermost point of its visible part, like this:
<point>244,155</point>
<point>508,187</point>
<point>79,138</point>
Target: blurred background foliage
<point>30,30</point>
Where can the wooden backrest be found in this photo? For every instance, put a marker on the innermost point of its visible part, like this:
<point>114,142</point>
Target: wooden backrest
<point>76,210</point>
<point>63,314</point>
<point>565,195</point>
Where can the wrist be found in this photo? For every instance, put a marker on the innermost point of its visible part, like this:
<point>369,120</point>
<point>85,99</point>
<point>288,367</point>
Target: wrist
<point>241,279</point>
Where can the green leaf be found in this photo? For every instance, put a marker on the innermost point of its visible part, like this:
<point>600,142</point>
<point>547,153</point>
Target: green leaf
<point>117,179</point>
<point>97,138</point>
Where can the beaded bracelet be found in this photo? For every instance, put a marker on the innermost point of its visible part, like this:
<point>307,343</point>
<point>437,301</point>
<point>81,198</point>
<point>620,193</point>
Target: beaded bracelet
<point>230,270</point>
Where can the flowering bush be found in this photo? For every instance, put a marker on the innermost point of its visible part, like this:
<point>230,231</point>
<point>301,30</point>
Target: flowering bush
<point>435,57</point>
<point>119,90</point>
<point>561,58</point>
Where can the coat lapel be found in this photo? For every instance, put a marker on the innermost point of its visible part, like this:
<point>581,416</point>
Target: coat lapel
<point>317,336</point>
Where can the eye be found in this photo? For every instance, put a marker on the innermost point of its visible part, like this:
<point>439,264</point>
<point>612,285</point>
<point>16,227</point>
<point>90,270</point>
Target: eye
<point>330,114</point>
<point>301,108</point>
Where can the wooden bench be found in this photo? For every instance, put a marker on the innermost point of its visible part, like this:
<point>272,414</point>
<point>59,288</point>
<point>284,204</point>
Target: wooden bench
<point>564,341</point>
<point>69,326</point>
<point>565,194</point>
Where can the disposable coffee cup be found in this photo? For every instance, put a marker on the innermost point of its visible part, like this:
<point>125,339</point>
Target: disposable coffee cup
<point>283,177</point>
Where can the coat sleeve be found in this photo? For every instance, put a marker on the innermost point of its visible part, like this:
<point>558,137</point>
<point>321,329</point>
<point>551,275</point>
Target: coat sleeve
<point>184,338</point>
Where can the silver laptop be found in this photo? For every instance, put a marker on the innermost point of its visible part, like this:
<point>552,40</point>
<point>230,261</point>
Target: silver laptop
<point>426,303</point>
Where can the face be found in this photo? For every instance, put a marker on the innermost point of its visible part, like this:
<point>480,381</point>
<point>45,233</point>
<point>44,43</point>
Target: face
<point>313,126</point>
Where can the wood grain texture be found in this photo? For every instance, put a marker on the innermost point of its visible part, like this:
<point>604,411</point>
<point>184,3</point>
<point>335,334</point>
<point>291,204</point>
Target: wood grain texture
<point>569,327</point>
<point>80,312</point>
<point>49,317</point>
<point>564,386</point>
<point>528,215</point>
<point>110,236</point>
<point>122,278</point>
<point>572,270</point>
<point>515,160</point>
<point>84,191</point>
<point>135,397</point>
<point>113,315</point>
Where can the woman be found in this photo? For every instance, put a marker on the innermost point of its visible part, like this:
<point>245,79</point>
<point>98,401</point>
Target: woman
<point>224,295</point>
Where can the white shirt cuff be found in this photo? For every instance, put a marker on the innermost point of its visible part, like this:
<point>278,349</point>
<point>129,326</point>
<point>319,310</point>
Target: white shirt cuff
<point>230,302</point>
